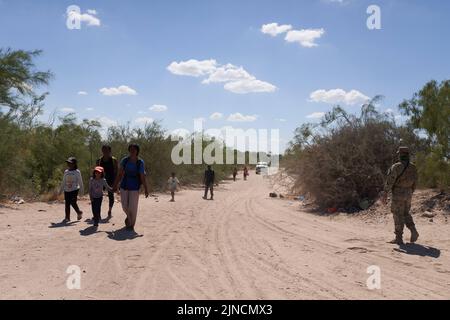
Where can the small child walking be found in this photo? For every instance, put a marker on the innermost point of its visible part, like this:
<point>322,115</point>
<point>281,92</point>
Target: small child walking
<point>173,183</point>
<point>96,185</point>
<point>72,184</point>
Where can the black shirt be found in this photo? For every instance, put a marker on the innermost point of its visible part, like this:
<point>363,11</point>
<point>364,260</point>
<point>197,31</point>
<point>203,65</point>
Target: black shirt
<point>209,176</point>
<point>110,168</point>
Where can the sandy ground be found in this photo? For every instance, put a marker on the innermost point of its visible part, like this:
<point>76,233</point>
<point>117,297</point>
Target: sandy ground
<point>243,245</point>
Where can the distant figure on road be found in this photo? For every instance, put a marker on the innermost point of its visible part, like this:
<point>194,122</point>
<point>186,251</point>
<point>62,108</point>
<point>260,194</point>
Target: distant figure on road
<point>235,172</point>
<point>131,176</point>
<point>401,181</point>
<point>246,174</point>
<point>173,183</point>
<point>111,168</point>
<point>209,180</point>
<point>72,185</point>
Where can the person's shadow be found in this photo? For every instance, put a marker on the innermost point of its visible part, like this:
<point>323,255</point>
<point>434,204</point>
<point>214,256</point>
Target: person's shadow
<point>419,250</point>
<point>62,224</point>
<point>123,234</point>
<point>89,231</point>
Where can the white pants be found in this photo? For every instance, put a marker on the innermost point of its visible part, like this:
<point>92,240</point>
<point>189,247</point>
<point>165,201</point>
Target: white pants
<point>130,200</point>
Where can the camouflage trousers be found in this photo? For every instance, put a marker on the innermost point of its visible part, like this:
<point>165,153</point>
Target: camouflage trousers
<point>400,207</point>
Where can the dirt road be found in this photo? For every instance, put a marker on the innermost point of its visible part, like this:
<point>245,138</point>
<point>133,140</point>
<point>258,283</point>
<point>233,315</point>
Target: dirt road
<point>243,245</point>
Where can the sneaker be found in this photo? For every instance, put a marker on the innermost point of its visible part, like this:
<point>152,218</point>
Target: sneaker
<point>66,221</point>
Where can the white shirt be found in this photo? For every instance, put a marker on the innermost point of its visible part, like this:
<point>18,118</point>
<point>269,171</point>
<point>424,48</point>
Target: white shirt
<point>173,182</point>
<point>72,181</point>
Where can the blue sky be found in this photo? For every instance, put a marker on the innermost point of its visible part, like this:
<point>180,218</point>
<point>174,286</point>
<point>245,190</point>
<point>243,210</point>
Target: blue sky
<point>132,44</point>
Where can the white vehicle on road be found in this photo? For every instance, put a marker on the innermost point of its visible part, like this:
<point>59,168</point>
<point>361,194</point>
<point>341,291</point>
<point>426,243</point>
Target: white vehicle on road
<point>262,167</point>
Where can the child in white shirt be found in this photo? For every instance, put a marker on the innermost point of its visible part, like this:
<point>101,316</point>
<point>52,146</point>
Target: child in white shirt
<point>173,183</point>
<point>71,185</point>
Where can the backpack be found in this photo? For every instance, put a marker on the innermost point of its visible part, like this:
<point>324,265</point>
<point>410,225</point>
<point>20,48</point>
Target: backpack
<point>100,163</point>
<point>138,167</point>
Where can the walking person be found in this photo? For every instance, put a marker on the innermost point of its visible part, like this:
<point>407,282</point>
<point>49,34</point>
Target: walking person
<point>209,180</point>
<point>401,181</point>
<point>246,174</point>
<point>173,183</point>
<point>235,173</point>
<point>97,184</point>
<point>111,168</point>
<point>72,185</point>
<point>130,177</point>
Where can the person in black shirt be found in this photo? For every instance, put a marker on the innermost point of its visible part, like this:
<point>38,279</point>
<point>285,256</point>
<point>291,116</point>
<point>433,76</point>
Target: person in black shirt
<point>110,165</point>
<point>209,180</point>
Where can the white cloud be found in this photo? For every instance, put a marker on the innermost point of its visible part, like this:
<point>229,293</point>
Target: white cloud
<point>158,108</point>
<point>236,79</point>
<point>239,117</point>
<point>67,110</point>
<point>274,29</point>
<point>336,96</point>
<point>193,68</point>
<point>89,18</point>
<point>281,120</point>
<point>216,116</point>
<point>249,85</point>
<point>227,73</point>
<point>389,111</point>
<point>180,132</point>
<point>92,11</point>
<point>143,120</point>
<point>306,37</point>
<point>337,1</point>
<point>315,115</point>
<point>82,93</point>
<point>106,122</point>
<point>89,109</point>
<point>122,90</point>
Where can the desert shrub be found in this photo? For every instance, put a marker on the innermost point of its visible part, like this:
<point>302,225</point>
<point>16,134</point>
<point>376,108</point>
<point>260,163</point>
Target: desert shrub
<point>342,161</point>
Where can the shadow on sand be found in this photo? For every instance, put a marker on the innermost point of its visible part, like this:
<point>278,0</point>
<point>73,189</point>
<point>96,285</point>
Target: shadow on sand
<point>62,224</point>
<point>89,231</point>
<point>419,250</point>
<point>90,221</point>
<point>123,234</point>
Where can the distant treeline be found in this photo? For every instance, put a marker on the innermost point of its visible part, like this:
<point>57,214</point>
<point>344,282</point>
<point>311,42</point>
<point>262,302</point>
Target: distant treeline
<point>33,154</point>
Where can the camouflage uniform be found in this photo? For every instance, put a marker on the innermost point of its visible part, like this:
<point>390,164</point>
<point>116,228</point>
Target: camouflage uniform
<point>402,187</point>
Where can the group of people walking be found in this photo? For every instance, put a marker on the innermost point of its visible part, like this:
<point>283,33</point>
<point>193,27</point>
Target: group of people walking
<point>127,176</point>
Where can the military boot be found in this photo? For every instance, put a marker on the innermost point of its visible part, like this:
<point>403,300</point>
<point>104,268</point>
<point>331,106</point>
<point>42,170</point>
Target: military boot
<point>414,235</point>
<point>398,240</point>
